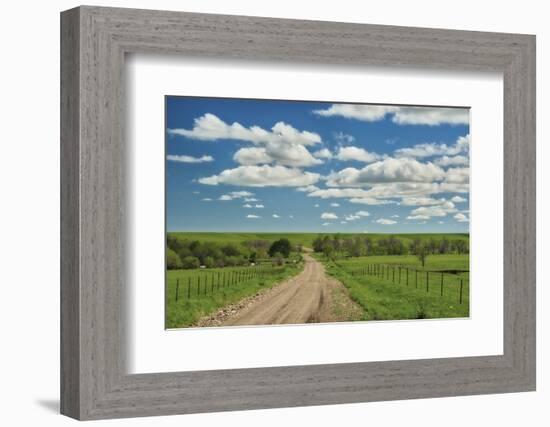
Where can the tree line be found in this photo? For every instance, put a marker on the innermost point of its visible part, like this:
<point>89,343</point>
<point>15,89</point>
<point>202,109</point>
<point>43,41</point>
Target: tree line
<point>189,254</point>
<point>336,246</point>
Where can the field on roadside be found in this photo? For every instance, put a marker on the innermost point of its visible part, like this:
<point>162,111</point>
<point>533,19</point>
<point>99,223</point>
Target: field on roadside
<point>444,262</point>
<point>192,294</point>
<point>398,287</point>
<point>386,287</point>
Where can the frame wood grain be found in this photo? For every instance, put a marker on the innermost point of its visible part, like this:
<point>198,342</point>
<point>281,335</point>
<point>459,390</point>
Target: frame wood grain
<point>94,41</point>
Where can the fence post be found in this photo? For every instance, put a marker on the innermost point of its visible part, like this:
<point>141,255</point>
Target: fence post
<point>198,285</point>
<point>407,273</point>
<point>460,291</point>
<point>189,287</point>
<point>399,274</point>
<point>177,288</point>
<point>427,281</point>
<point>212,280</point>
<point>416,278</point>
<point>441,284</point>
<point>393,274</point>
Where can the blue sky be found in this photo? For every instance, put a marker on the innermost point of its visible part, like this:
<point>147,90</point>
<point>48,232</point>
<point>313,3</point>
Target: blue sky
<point>294,166</point>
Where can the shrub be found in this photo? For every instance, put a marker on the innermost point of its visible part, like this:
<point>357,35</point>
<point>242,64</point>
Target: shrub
<point>173,260</point>
<point>190,262</point>
<point>281,246</point>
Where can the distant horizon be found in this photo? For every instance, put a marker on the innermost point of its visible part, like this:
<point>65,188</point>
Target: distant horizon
<point>309,232</point>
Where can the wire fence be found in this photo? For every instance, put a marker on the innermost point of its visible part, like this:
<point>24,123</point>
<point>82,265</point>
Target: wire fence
<point>207,283</point>
<point>430,280</point>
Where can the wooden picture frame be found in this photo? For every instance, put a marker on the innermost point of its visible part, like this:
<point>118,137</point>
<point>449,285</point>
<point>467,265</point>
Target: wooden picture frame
<point>94,382</point>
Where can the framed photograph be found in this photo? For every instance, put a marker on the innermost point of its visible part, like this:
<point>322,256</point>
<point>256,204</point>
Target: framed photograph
<point>357,196</point>
<point>274,213</point>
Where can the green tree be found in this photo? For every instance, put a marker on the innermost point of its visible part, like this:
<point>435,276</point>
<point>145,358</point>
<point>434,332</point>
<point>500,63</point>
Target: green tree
<point>230,250</point>
<point>318,244</point>
<point>420,249</point>
<point>190,262</point>
<point>173,260</point>
<point>209,262</point>
<point>282,246</point>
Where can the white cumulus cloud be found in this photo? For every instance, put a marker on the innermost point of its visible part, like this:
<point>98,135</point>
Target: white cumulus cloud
<point>308,189</point>
<point>263,176</point>
<point>282,153</point>
<point>440,210</point>
<point>252,156</point>
<point>460,217</point>
<point>323,153</point>
<point>371,201</point>
<point>357,154</point>
<point>418,217</point>
<point>236,195</point>
<point>189,159</point>
<point>329,215</point>
<point>386,171</point>
<point>251,216</point>
<point>421,201</point>
<point>385,221</point>
<point>209,127</point>
<point>430,149</point>
<point>451,161</point>
<point>431,116</point>
<point>458,176</point>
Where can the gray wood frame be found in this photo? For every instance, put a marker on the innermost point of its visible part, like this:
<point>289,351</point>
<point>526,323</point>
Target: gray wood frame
<point>94,41</point>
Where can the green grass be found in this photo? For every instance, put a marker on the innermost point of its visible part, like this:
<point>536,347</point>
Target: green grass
<point>433,262</point>
<point>383,297</point>
<point>305,239</point>
<point>221,288</point>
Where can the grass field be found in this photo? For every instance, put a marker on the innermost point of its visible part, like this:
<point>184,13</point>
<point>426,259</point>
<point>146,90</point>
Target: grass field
<point>381,294</point>
<point>373,282</point>
<point>433,262</point>
<point>305,239</point>
<point>201,292</point>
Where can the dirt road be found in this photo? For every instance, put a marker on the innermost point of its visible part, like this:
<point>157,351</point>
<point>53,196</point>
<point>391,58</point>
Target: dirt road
<point>309,297</point>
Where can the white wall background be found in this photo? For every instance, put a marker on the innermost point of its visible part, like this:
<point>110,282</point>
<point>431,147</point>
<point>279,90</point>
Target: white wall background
<point>29,213</point>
